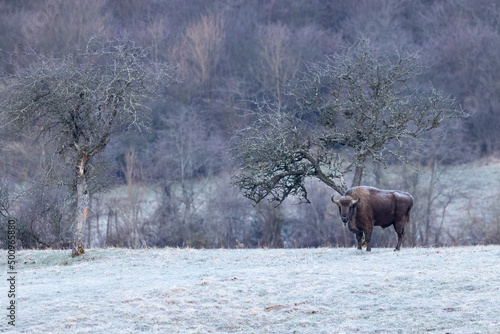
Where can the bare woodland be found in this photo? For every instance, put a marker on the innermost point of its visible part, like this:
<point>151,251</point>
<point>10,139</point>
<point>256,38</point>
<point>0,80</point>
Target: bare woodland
<point>150,123</point>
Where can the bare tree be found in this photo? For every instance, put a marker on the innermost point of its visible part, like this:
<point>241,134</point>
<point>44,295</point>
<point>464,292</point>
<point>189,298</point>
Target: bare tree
<point>56,25</point>
<point>278,62</point>
<point>357,105</point>
<point>185,155</point>
<point>133,205</point>
<point>270,224</point>
<point>80,102</point>
<point>200,50</point>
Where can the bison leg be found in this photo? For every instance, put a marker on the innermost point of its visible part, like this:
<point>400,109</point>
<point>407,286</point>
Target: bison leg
<point>400,230</point>
<point>359,239</point>
<point>368,238</point>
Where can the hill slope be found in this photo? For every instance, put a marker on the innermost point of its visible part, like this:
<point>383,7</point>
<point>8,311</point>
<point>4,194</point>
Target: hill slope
<point>433,290</point>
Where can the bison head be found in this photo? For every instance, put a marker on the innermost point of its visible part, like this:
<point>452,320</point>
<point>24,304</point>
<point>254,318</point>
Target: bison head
<point>346,206</point>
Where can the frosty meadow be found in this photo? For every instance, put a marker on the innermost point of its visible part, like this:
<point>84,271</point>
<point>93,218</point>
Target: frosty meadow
<point>324,290</point>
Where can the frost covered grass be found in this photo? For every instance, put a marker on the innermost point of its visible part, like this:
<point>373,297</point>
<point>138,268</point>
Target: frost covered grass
<point>327,290</point>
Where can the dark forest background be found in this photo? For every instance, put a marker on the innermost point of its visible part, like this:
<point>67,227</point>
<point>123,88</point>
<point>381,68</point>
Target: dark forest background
<point>170,186</point>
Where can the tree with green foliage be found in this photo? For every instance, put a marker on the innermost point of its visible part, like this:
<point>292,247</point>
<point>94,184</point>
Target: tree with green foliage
<point>78,103</point>
<point>357,105</point>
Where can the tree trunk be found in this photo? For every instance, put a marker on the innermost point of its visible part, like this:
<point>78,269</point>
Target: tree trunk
<point>358,175</point>
<point>430,201</point>
<point>89,227</point>
<point>82,207</point>
<point>108,227</point>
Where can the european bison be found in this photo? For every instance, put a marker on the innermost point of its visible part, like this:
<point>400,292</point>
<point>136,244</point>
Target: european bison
<point>361,208</point>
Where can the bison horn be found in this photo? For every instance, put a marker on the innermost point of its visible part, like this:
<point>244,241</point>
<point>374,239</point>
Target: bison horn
<point>334,201</point>
<point>354,201</point>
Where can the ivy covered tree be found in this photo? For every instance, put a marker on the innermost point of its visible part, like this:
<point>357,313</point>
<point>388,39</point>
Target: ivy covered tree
<point>78,102</point>
<point>357,105</point>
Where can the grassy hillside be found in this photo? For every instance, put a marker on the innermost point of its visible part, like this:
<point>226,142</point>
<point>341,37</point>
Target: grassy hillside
<point>417,290</point>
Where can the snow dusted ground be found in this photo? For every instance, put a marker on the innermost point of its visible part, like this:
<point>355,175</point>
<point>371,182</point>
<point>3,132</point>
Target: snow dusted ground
<point>327,290</point>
